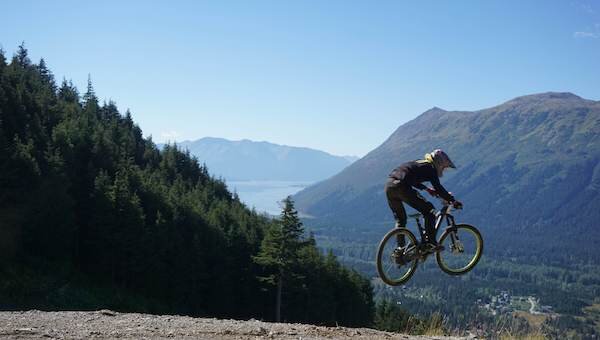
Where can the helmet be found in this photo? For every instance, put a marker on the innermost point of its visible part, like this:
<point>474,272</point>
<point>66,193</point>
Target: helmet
<point>440,160</point>
<point>439,156</point>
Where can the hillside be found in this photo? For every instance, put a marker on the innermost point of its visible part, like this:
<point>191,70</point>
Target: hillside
<point>248,160</point>
<point>528,173</point>
<point>93,215</point>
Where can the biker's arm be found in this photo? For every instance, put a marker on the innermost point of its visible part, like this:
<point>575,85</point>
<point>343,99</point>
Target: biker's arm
<point>441,191</point>
<point>420,186</point>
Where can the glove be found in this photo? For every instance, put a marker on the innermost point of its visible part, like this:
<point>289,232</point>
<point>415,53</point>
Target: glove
<point>457,205</point>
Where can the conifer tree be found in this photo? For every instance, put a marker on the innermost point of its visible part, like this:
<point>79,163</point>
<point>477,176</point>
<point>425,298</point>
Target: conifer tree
<point>292,227</point>
<point>90,101</point>
<point>68,92</point>
<point>22,57</point>
<point>2,60</point>
<point>279,248</point>
<point>89,93</point>
<point>45,74</point>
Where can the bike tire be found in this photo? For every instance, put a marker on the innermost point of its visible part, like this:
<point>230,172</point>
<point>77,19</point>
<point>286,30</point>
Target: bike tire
<point>385,262</point>
<point>443,257</point>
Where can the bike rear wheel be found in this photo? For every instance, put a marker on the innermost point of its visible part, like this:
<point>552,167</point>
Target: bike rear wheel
<point>396,262</point>
<point>463,246</point>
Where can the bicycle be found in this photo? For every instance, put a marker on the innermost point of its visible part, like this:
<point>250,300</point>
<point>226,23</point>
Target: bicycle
<point>462,248</point>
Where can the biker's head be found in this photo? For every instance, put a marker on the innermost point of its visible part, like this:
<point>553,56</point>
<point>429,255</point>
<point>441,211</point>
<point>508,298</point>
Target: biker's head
<point>440,160</point>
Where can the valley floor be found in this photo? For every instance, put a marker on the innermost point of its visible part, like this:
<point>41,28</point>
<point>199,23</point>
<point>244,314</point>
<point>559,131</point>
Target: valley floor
<point>108,324</point>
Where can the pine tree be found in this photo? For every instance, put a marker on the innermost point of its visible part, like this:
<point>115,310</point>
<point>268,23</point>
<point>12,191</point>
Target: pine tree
<point>90,101</point>
<point>89,93</point>
<point>271,259</point>
<point>22,56</point>
<point>279,250</point>
<point>44,72</point>
<point>292,227</point>
<point>68,92</point>
<point>2,60</point>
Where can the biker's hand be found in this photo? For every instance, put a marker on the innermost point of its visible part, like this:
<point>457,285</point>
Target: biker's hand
<point>432,192</point>
<point>457,205</point>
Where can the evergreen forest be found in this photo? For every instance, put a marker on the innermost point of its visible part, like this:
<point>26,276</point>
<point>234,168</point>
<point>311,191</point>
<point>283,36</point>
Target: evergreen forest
<point>93,215</point>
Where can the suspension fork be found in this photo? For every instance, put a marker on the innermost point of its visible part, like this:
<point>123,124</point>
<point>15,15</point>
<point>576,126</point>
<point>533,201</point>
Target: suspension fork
<point>453,234</point>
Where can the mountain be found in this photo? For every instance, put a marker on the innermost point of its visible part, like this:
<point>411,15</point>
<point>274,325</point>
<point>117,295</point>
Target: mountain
<point>528,174</point>
<point>351,159</point>
<point>249,160</point>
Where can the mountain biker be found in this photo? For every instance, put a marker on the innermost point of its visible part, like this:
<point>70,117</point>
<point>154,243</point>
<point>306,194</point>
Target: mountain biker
<point>400,188</point>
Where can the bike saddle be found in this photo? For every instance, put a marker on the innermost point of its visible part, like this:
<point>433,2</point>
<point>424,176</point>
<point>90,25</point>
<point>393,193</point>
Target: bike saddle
<point>416,215</point>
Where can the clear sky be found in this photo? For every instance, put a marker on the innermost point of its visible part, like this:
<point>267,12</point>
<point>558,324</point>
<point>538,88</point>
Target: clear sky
<point>339,76</point>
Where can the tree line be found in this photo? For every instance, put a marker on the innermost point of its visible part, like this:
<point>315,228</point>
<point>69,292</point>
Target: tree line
<point>93,215</point>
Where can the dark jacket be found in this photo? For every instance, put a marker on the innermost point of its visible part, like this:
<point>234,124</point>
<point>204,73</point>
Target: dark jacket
<point>415,172</point>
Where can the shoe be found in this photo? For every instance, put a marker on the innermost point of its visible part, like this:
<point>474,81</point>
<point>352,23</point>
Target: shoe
<point>431,247</point>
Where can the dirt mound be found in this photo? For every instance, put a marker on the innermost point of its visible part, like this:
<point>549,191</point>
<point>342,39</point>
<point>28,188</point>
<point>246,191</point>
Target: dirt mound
<point>108,324</point>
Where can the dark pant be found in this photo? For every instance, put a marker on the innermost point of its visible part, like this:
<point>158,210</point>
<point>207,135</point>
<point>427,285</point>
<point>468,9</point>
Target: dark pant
<point>398,192</point>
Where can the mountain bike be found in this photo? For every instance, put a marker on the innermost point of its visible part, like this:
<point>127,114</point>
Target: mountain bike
<point>399,251</point>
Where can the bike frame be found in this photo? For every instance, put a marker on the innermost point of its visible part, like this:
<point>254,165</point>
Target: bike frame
<point>402,254</point>
<point>443,213</point>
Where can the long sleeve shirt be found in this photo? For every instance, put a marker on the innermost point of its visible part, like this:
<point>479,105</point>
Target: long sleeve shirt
<point>414,173</point>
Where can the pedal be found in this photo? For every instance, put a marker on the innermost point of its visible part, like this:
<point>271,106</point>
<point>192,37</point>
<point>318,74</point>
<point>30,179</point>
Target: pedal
<point>431,249</point>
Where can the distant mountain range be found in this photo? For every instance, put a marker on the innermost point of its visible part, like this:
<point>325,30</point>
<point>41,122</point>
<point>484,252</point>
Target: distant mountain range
<point>249,160</point>
<point>528,174</point>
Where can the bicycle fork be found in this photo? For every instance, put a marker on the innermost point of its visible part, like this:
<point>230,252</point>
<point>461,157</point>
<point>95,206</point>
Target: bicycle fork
<point>457,245</point>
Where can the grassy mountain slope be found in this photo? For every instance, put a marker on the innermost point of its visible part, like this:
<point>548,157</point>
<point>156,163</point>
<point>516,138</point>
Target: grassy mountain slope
<point>528,173</point>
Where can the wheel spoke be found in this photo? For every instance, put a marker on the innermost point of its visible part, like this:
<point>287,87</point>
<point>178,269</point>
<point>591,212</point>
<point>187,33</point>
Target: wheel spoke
<point>462,249</point>
<point>396,264</point>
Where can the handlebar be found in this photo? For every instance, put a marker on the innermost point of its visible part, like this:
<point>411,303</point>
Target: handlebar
<point>446,203</point>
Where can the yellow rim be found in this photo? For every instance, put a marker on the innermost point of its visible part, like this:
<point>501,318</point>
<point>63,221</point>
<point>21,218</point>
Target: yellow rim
<point>382,260</point>
<point>473,261</point>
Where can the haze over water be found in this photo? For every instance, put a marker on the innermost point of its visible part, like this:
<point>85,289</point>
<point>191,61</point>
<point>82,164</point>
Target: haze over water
<point>265,196</point>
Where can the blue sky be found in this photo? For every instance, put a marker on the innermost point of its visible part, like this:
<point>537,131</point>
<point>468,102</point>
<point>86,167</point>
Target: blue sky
<point>339,76</point>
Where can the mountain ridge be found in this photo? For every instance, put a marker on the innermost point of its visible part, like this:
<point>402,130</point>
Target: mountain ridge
<point>510,157</point>
<point>245,159</point>
<point>246,140</point>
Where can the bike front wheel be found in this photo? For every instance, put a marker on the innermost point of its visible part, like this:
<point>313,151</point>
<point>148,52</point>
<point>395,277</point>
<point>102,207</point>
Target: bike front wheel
<point>463,246</point>
<point>397,256</point>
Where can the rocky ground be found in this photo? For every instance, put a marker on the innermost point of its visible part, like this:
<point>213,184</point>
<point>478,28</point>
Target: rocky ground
<point>109,325</point>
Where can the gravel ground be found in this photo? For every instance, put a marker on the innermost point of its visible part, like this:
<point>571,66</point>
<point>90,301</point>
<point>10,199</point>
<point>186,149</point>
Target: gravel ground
<point>107,324</point>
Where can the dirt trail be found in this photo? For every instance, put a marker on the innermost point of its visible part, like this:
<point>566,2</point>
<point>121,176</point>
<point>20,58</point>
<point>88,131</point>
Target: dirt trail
<point>109,325</point>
